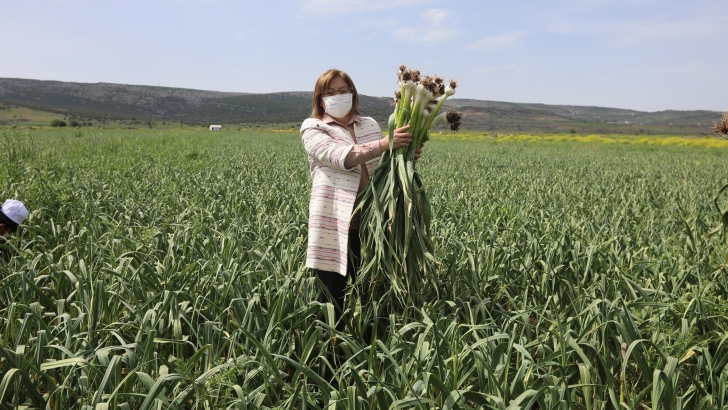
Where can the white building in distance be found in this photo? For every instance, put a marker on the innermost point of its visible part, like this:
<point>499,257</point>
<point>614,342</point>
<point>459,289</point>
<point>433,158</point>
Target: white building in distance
<point>215,127</point>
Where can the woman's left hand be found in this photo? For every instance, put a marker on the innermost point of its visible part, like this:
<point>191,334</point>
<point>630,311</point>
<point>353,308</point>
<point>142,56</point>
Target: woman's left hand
<point>418,153</point>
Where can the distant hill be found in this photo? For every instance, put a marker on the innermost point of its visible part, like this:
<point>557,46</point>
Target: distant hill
<point>276,108</point>
<point>105,101</point>
<point>120,101</point>
<point>601,114</point>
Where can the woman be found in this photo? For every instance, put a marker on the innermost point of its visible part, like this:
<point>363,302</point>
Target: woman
<point>343,150</point>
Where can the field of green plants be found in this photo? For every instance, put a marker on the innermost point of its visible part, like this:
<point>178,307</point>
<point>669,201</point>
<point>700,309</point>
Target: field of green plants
<point>164,269</point>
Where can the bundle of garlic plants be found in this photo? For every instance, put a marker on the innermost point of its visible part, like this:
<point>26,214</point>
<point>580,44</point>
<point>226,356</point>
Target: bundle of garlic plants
<point>397,252</point>
<point>721,127</point>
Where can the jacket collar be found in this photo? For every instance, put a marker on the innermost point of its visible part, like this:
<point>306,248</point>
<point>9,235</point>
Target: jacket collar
<point>327,119</point>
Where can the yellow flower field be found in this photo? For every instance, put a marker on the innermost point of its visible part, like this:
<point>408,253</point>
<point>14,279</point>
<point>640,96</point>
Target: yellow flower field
<point>662,140</point>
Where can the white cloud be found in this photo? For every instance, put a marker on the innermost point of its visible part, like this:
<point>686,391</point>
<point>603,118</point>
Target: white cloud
<point>434,28</point>
<point>497,42</point>
<point>329,7</point>
<point>435,17</point>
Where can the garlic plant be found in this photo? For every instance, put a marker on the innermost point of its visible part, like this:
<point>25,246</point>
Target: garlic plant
<point>166,269</point>
<point>396,212</point>
<point>721,128</point>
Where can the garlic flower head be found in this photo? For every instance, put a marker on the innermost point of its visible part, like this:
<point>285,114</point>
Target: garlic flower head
<point>401,72</point>
<point>453,118</point>
<point>429,83</point>
<point>721,128</point>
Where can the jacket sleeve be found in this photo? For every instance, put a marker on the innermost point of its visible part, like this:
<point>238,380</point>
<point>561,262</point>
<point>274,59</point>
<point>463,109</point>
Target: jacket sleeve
<point>322,147</point>
<point>362,153</point>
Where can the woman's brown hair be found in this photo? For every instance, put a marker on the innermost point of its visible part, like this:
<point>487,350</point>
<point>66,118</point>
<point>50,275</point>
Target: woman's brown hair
<point>322,84</point>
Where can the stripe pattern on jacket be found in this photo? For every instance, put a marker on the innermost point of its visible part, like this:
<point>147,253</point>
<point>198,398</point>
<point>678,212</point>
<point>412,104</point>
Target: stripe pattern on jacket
<point>334,189</point>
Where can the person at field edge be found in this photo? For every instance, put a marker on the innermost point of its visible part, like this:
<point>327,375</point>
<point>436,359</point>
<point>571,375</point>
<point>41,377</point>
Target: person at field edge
<point>12,214</point>
<point>343,149</point>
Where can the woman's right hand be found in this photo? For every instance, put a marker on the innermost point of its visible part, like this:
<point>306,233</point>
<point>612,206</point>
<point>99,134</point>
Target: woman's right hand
<point>402,138</point>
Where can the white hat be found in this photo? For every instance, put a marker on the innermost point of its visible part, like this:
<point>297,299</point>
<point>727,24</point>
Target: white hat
<point>14,210</point>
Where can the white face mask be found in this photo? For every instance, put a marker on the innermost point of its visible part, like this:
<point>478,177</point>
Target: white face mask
<point>339,105</point>
<point>6,235</point>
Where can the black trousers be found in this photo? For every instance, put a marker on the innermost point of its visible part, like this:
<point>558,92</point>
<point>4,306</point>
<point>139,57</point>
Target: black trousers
<point>335,283</point>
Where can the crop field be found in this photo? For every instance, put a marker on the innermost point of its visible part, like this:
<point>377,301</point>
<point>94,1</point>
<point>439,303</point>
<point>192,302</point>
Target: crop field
<point>11,114</point>
<point>164,269</point>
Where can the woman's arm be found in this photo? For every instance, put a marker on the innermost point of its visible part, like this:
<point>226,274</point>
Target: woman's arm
<point>360,154</point>
<point>319,145</point>
<point>345,157</point>
<point>364,152</point>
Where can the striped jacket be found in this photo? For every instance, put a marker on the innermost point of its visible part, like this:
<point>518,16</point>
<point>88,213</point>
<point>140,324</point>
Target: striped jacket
<point>334,189</point>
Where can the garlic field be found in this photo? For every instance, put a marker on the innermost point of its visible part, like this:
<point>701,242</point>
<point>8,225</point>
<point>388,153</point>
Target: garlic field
<point>164,269</point>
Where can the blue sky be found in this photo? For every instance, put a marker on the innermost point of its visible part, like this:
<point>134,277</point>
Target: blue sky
<point>640,54</point>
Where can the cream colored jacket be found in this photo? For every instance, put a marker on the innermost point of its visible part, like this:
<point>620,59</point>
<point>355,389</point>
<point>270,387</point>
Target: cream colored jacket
<point>334,189</point>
